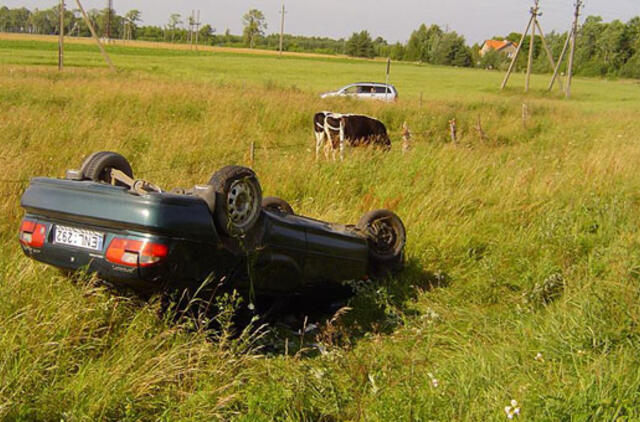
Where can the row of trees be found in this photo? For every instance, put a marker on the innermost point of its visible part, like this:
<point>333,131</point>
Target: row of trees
<point>175,30</point>
<point>602,48</point>
<point>46,21</point>
<point>426,45</point>
<point>106,22</point>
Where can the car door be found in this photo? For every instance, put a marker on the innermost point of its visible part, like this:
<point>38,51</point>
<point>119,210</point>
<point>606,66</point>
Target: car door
<point>366,91</point>
<point>383,93</point>
<point>333,253</point>
<point>350,91</point>
<point>280,259</point>
<point>298,251</point>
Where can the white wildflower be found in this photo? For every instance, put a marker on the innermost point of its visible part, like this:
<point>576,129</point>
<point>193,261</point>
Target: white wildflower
<point>434,381</point>
<point>513,410</point>
<point>539,357</point>
<point>430,316</point>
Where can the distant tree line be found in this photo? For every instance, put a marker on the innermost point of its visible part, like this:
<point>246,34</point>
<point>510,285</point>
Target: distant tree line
<point>45,21</point>
<point>603,49</point>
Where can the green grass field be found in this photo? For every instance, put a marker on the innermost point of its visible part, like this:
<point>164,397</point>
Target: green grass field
<point>524,248</point>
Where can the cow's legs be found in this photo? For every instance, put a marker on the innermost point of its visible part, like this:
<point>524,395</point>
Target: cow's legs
<point>329,144</point>
<point>319,142</point>
<point>342,139</point>
<point>329,150</point>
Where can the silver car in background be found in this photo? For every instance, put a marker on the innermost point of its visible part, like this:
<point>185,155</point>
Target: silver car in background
<point>366,90</point>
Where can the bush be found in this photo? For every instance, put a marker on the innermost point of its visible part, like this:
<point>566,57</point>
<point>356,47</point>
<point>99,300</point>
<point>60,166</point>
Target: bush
<point>631,69</point>
<point>493,60</point>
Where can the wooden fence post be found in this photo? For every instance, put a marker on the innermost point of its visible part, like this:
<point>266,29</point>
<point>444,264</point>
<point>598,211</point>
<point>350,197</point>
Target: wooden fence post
<point>481,132</point>
<point>406,138</point>
<point>453,128</point>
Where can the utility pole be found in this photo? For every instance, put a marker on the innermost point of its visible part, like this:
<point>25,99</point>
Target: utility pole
<point>574,34</point>
<point>560,59</point>
<point>282,13</point>
<point>61,36</point>
<point>108,26</point>
<point>547,50</point>
<point>533,25</point>
<point>515,56</point>
<point>532,41</point>
<point>95,35</point>
<point>386,86</point>
<point>191,23</point>
<point>197,27</point>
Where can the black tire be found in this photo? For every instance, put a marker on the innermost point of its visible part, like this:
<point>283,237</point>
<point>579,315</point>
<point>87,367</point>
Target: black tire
<point>238,200</point>
<point>88,159</point>
<point>387,238</point>
<point>96,167</point>
<point>273,203</point>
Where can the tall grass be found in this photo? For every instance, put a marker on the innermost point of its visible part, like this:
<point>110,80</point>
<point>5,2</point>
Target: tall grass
<point>522,241</point>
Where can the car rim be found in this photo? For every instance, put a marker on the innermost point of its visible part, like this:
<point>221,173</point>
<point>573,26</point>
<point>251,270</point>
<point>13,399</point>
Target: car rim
<point>384,236</point>
<point>240,203</point>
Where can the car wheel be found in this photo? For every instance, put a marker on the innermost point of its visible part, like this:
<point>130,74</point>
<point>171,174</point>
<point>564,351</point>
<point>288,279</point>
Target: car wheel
<point>238,200</point>
<point>276,204</point>
<point>387,238</point>
<point>97,166</point>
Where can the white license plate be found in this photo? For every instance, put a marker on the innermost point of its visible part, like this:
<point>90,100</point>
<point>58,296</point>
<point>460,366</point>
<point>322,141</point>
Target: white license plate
<point>86,239</point>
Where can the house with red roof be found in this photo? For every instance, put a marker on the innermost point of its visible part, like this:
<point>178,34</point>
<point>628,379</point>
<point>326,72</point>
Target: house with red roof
<point>505,47</point>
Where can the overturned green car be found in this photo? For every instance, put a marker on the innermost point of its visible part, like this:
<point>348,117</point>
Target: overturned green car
<point>132,233</point>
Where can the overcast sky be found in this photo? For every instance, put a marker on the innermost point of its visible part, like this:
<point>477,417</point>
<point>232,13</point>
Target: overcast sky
<point>392,19</point>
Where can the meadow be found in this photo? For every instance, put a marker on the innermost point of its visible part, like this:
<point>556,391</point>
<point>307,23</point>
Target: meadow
<point>524,247</point>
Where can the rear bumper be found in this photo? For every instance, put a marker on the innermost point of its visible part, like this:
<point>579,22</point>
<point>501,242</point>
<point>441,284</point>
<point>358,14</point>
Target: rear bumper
<point>93,261</point>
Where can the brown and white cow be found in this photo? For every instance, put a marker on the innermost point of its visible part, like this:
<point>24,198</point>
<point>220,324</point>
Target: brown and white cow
<point>339,130</point>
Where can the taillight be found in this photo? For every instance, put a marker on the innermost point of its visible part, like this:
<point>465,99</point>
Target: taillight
<point>133,253</point>
<point>32,234</point>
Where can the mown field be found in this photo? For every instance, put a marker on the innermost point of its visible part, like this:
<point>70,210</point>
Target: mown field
<point>524,248</point>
